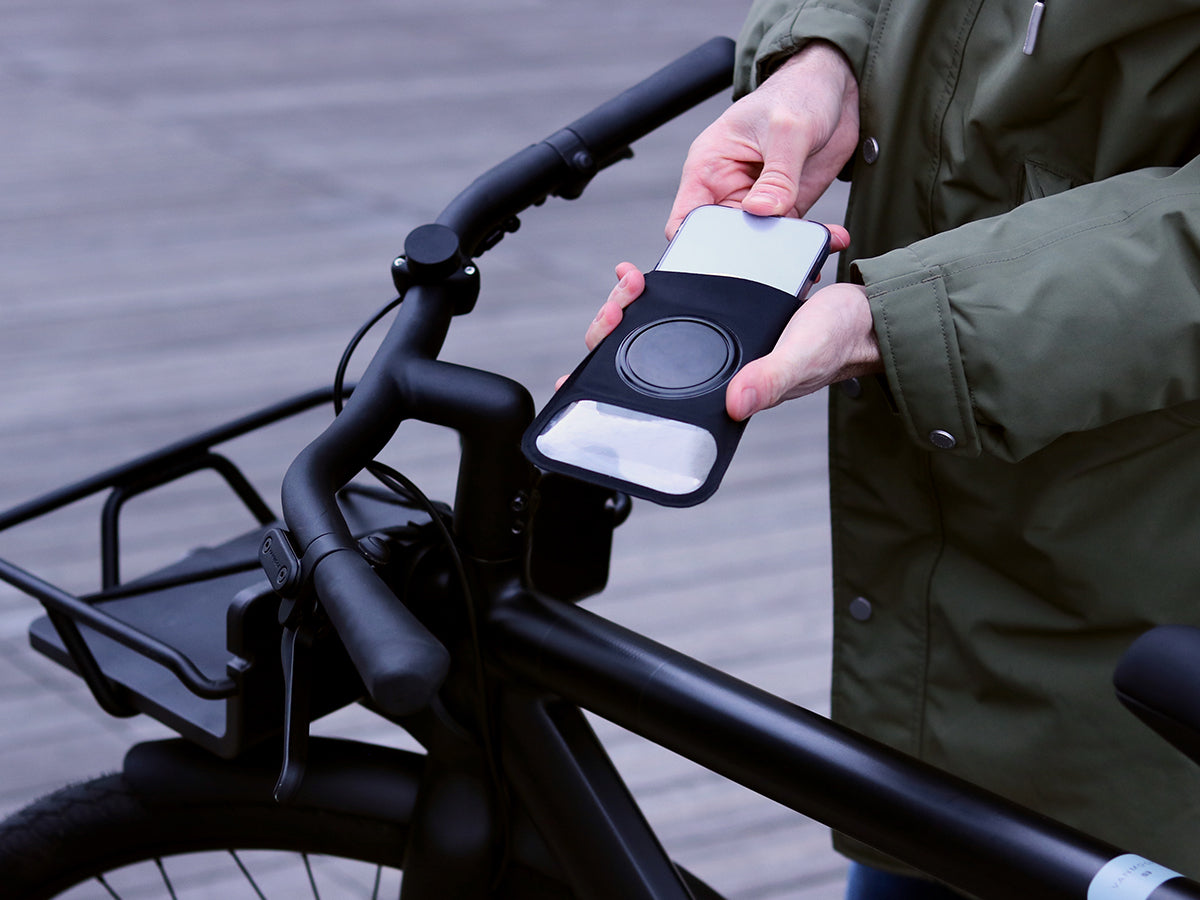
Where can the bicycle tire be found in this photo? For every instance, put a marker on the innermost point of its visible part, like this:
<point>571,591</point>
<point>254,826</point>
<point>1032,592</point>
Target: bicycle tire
<point>91,830</point>
<point>87,831</point>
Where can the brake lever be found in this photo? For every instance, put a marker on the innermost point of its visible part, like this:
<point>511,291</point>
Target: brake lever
<point>299,616</point>
<point>296,655</point>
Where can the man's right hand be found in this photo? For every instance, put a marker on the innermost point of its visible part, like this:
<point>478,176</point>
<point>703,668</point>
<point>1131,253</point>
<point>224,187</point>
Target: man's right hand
<point>776,150</point>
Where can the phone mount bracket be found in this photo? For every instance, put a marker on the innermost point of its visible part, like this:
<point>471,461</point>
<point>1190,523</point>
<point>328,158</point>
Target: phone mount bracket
<point>644,413</point>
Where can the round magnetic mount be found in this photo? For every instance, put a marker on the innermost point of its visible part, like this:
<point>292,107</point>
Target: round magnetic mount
<point>677,358</point>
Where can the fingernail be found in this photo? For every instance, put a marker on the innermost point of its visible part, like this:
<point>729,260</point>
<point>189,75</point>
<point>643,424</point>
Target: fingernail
<point>749,402</point>
<point>765,198</point>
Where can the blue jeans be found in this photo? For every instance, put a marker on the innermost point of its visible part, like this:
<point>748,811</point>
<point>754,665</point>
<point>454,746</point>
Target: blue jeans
<point>865,883</point>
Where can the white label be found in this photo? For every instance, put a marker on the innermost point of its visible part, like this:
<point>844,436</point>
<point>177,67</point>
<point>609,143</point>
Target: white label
<point>1128,877</point>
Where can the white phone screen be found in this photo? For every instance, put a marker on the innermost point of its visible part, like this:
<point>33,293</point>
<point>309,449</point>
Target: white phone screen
<point>720,240</point>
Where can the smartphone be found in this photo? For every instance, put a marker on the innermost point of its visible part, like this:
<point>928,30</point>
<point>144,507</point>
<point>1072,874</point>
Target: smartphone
<point>783,253</point>
<point>644,413</point>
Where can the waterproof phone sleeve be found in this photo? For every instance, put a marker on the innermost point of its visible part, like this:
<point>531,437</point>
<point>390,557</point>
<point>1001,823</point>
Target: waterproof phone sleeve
<point>644,413</point>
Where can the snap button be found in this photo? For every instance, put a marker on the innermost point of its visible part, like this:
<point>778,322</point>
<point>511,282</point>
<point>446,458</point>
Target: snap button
<point>943,440</point>
<point>860,609</point>
<point>870,151</point>
<point>851,387</point>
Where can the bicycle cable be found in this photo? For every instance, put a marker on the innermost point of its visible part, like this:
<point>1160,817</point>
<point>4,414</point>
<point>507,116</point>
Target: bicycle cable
<point>339,378</point>
<point>401,484</point>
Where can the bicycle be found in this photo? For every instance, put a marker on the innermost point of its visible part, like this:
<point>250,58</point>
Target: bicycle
<point>460,625</point>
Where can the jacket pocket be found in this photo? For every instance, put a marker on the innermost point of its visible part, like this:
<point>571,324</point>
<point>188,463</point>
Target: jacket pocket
<point>1040,180</point>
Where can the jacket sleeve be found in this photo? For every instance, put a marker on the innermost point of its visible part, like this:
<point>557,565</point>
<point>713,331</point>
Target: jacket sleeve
<point>1066,314</point>
<point>775,29</point>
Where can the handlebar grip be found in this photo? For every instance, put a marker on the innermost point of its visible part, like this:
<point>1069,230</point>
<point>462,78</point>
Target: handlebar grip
<point>675,88</point>
<point>401,664</point>
<point>568,158</point>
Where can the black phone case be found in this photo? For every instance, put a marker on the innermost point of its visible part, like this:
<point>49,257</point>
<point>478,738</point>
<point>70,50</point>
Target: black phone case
<point>674,352</point>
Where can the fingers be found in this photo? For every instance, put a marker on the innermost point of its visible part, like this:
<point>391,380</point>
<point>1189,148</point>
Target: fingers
<point>830,338</point>
<point>693,192</point>
<point>776,150</point>
<point>839,238</point>
<point>751,390</point>
<point>785,147</point>
<point>628,288</point>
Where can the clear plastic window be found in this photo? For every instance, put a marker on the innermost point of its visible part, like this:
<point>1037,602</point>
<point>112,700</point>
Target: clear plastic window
<point>660,454</point>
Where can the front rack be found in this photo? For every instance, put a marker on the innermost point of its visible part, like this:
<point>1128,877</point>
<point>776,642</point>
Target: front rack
<point>195,645</point>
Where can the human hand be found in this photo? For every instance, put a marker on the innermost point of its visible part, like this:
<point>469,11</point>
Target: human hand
<point>631,282</point>
<point>829,338</point>
<point>776,150</point>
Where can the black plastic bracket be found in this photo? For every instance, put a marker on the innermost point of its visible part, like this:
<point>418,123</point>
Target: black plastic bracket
<point>431,254</point>
<point>584,166</point>
<point>290,572</point>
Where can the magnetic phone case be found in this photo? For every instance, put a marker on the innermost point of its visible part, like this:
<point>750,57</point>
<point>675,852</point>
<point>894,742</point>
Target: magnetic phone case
<point>644,413</point>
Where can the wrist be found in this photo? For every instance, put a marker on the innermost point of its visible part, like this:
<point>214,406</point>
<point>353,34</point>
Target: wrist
<point>814,54</point>
<point>854,332</point>
<point>867,358</point>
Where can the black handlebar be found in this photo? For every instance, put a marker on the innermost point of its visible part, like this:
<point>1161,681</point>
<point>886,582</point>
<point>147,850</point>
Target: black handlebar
<point>564,162</point>
<point>401,663</point>
<point>672,90</point>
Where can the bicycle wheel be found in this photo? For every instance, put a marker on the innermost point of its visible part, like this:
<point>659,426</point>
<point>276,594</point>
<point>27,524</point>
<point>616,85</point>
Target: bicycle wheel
<point>104,839</point>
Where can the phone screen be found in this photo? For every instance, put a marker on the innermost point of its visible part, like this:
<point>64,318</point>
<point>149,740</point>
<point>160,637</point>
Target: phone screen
<point>720,240</point>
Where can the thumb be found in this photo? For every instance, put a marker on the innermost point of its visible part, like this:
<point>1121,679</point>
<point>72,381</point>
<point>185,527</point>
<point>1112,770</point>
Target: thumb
<point>777,187</point>
<point>753,389</point>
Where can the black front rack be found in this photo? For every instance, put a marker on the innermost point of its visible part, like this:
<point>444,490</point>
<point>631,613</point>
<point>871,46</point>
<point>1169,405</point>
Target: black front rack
<point>195,645</point>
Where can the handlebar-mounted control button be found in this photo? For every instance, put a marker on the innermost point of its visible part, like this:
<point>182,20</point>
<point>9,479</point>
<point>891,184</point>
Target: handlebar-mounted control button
<point>432,253</point>
<point>290,572</point>
<point>280,562</point>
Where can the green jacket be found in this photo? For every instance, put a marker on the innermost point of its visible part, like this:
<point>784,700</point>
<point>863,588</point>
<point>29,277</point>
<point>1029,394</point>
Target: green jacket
<point>1019,498</point>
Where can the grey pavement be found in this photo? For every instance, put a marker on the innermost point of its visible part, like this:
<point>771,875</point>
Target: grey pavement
<point>198,206</point>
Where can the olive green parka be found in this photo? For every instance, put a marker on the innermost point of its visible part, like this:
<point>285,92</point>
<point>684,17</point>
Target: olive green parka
<point>1019,497</point>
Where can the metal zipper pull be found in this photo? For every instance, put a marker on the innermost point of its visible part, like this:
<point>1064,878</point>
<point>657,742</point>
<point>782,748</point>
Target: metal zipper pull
<point>1035,22</point>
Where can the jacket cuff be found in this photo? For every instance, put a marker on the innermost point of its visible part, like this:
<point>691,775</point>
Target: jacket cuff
<point>765,44</point>
<point>920,351</point>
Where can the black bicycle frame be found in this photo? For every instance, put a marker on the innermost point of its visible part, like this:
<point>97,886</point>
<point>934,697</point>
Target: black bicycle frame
<point>975,841</point>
